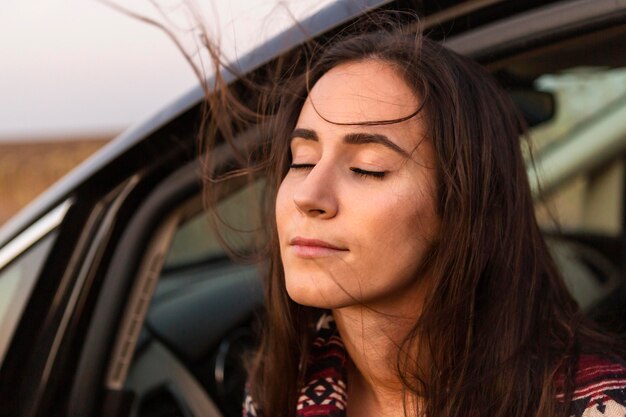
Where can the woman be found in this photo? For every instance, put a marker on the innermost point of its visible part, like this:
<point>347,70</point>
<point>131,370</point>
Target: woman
<point>408,276</point>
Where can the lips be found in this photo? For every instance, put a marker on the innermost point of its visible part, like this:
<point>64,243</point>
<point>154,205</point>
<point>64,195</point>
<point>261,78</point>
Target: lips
<point>314,248</point>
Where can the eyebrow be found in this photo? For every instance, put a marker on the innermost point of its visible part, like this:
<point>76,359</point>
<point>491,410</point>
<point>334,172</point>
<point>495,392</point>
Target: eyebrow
<point>354,139</point>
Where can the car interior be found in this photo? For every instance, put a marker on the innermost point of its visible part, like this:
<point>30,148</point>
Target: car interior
<point>191,319</point>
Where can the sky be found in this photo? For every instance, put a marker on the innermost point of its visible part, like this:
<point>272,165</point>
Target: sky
<point>79,67</point>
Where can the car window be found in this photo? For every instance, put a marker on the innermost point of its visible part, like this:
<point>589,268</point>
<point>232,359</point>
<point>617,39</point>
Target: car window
<point>577,169</point>
<point>588,128</point>
<point>189,351</point>
<point>16,283</point>
<point>237,222</point>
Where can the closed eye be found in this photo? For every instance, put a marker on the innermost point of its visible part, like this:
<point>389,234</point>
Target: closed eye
<point>361,172</point>
<point>301,166</point>
<point>372,174</point>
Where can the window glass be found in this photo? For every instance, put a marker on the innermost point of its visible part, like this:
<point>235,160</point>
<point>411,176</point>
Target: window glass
<point>16,283</point>
<point>237,221</point>
<point>583,147</point>
<point>578,147</point>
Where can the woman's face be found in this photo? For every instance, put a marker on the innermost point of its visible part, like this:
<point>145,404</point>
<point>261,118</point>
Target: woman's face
<point>356,211</point>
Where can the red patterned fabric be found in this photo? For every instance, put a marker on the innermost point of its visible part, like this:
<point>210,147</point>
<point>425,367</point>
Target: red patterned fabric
<point>324,393</point>
<point>600,384</point>
<point>600,388</point>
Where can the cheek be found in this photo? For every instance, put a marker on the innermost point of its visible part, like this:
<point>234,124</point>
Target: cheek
<point>402,224</point>
<point>284,203</point>
<point>422,219</point>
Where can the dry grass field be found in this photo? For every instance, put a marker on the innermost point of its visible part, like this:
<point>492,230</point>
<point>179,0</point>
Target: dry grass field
<point>27,168</point>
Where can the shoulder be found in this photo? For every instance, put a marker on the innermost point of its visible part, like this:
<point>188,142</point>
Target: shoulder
<point>599,387</point>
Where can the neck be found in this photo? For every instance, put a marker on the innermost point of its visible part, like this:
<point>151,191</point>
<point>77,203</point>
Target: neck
<point>373,341</point>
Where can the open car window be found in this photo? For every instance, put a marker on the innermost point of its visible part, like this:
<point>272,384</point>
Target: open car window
<point>199,325</point>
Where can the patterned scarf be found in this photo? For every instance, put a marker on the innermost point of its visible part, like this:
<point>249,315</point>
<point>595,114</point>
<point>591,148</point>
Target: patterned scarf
<point>324,393</point>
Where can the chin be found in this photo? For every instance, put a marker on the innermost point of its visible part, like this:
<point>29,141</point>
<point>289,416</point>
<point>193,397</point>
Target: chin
<point>316,294</point>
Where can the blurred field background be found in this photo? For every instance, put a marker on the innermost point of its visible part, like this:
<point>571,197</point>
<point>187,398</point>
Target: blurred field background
<point>29,167</point>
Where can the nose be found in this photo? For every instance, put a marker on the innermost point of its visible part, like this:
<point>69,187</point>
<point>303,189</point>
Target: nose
<point>315,195</point>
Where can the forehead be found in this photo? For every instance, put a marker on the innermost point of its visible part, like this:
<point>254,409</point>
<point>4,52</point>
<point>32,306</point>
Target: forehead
<point>363,91</point>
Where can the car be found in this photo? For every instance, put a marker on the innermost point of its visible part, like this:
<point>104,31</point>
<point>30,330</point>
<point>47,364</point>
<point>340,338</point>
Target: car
<point>117,299</point>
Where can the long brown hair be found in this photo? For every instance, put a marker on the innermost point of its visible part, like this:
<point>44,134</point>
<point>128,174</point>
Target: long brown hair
<point>498,324</point>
